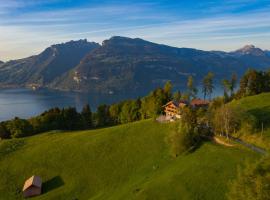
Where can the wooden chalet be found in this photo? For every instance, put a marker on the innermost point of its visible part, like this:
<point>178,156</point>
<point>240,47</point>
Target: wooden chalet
<point>173,108</point>
<point>32,187</point>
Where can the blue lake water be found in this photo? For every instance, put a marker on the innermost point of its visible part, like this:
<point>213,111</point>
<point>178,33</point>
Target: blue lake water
<point>25,103</point>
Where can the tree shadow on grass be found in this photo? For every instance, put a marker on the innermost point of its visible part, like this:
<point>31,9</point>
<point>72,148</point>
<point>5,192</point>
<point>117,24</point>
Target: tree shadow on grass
<point>52,184</point>
<point>197,145</point>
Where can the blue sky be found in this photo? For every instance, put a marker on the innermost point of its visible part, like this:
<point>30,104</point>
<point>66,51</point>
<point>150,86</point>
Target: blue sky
<point>29,26</point>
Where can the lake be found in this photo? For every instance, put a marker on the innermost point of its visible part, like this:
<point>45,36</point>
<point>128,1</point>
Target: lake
<point>25,103</point>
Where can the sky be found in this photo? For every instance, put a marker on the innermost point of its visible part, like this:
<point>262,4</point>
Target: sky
<point>29,26</point>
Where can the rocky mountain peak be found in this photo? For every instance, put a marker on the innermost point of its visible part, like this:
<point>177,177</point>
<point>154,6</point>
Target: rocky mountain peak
<point>250,50</point>
<point>125,65</point>
<point>76,43</point>
<point>124,41</point>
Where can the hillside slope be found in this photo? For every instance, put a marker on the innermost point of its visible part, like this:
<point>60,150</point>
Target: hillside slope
<point>124,162</point>
<point>259,107</point>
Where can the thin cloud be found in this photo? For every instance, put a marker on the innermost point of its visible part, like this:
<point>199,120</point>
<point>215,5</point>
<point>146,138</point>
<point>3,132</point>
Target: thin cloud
<point>30,32</point>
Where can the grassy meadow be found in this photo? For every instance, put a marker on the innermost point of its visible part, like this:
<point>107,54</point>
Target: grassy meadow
<point>129,161</point>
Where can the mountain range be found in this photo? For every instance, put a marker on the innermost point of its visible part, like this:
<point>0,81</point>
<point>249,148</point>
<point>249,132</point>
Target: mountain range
<point>42,69</point>
<point>122,65</point>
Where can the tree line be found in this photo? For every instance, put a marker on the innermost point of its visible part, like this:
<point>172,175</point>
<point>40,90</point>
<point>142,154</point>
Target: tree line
<point>53,119</point>
<point>253,82</point>
<point>105,115</point>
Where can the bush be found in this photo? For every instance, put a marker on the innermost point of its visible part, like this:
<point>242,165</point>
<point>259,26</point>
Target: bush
<point>249,124</point>
<point>252,183</point>
<point>19,128</point>
<point>4,134</point>
<point>183,139</point>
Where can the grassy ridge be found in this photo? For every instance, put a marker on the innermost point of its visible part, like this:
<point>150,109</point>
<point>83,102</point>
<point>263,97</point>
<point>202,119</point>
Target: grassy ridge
<point>258,106</point>
<point>124,162</point>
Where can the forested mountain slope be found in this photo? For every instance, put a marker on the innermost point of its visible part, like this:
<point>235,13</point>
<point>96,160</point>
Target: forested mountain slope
<point>122,65</point>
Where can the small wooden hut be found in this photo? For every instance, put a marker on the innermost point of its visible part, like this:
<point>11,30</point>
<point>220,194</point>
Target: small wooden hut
<point>32,186</point>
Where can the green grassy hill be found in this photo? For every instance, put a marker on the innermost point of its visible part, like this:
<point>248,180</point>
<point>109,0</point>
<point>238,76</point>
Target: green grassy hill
<point>130,161</point>
<point>258,106</point>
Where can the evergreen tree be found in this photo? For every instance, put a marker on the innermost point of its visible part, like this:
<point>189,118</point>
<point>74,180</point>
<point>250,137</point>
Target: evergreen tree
<point>254,82</point>
<point>49,120</point>
<point>71,118</point>
<point>192,90</point>
<point>208,85</point>
<point>177,96</point>
<point>86,115</point>
<point>168,90</point>
<point>102,116</point>
<point>243,86</point>
<point>4,134</point>
<point>226,88</point>
<point>115,111</point>
<point>233,83</point>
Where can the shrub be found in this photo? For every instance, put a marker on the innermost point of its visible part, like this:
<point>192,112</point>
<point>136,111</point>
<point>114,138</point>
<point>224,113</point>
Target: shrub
<point>19,128</point>
<point>249,124</point>
<point>4,134</point>
<point>252,183</point>
<point>183,139</point>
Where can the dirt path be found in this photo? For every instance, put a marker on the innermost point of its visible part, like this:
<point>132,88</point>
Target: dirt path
<point>239,141</point>
<point>219,141</point>
<point>250,146</point>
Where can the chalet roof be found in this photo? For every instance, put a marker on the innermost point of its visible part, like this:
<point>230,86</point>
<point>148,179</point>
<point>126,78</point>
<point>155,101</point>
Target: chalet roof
<point>176,103</point>
<point>32,181</point>
<point>182,101</point>
<point>199,102</point>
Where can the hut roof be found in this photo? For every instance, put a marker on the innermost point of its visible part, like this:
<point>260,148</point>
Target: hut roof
<point>199,102</point>
<point>32,181</point>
